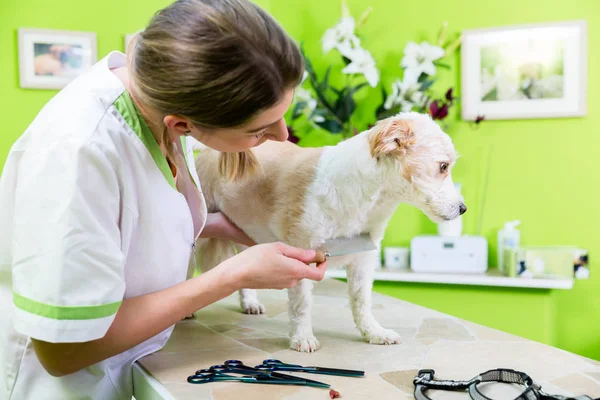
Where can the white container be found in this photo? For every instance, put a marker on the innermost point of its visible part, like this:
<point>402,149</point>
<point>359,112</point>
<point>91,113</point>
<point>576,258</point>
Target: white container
<point>396,257</point>
<point>509,237</point>
<point>451,228</point>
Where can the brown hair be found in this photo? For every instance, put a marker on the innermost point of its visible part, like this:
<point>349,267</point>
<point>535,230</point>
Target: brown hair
<point>218,63</point>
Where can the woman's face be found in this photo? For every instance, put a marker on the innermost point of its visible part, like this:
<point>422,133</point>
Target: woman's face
<point>268,125</point>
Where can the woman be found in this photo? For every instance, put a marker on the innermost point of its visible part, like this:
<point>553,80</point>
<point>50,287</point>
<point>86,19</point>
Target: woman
<point>101,204</point>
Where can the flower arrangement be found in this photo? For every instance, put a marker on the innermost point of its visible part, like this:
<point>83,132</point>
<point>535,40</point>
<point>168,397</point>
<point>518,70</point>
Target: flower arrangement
<point>331,108</point>
<point>414,92</point>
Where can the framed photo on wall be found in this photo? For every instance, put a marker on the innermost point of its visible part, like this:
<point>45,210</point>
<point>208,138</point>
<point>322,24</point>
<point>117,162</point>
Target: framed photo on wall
<point>50,59</point>
<point>527,71</point>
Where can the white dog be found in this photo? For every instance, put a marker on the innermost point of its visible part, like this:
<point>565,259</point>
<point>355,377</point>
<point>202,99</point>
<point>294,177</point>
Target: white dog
<point>304,196</point>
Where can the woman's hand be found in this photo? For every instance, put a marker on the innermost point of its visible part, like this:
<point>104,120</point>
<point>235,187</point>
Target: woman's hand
<point>220,227</point>
<point>273,266</point>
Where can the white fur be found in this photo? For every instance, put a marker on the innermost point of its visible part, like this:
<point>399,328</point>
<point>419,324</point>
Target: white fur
<point>352,193</point>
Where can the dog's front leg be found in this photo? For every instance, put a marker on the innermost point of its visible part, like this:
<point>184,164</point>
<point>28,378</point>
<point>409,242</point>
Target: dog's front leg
<point>249,302</point>
<point>300,304</point>
<point>360,284</point>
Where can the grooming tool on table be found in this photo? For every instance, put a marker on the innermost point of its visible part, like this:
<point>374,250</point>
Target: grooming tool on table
<point>348,245</point>
<point>276,365</point>
<point>240,367</point>
<point>245,374</point>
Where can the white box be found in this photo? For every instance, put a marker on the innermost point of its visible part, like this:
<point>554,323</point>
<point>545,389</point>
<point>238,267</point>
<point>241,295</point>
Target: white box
<point>464,254</point>
<point>396,257</point>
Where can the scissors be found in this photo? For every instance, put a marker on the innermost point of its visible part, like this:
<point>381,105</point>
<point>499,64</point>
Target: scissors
<point>238,366</point>
<point>276,365</point>
<point>222,373</point>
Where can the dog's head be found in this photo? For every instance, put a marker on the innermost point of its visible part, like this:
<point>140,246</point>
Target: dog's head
<point>419,153</point>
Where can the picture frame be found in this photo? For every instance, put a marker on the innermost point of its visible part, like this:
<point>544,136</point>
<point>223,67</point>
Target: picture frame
<point>50,59</point>
<point>525,71</point>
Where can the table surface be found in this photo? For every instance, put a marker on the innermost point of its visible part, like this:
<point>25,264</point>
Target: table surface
<point>454,348</point>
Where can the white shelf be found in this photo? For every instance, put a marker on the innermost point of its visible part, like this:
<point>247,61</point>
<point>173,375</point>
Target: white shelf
<point>491,278</point>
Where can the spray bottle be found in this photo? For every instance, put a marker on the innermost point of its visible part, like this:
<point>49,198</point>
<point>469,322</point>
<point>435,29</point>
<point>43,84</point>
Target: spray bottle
<point>508,238</point>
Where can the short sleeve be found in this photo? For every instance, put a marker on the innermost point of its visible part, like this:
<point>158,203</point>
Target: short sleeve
<point>68,266</point>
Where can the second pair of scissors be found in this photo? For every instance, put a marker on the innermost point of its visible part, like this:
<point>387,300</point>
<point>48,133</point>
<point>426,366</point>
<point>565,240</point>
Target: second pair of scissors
<point>276,365</point>
<point>250,375</point>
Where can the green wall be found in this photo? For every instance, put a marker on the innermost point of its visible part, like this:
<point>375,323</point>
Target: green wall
<point>542,171</point>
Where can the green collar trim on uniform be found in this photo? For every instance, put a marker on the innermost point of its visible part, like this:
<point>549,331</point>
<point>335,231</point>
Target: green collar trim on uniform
<point>124,104</point>
<point>65,312</point>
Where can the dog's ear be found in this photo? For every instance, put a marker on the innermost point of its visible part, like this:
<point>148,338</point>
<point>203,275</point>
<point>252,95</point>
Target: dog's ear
<point>392,137</point>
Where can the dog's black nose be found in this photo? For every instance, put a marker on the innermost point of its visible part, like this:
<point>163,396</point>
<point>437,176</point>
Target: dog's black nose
<point>462,208</point>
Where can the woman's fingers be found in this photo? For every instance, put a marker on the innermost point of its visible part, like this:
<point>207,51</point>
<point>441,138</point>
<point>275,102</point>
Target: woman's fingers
<point>304,255</point>
<point>315,273</point>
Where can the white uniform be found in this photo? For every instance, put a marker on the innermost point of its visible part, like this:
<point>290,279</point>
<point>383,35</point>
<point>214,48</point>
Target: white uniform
<point>89,215</point>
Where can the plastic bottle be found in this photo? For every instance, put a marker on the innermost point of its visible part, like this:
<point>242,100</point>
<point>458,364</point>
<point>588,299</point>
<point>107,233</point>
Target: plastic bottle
<point>509,237</point>
<point>454,227</point>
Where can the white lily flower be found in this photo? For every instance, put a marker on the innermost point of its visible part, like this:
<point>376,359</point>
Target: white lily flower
<point>394,97</point>
<point>420,58</point>
<point>341,37</point>
<point>362,62</point>
<point>405,93</point>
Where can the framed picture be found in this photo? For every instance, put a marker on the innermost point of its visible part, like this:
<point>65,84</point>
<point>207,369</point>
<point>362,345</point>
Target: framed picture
<point>50,59</point>
<point>528,71</point>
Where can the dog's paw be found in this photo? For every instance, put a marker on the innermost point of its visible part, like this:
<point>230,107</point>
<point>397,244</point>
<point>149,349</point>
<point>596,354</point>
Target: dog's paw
<point>305,344</point>
<point>381,336</point>
<point>252,307</point>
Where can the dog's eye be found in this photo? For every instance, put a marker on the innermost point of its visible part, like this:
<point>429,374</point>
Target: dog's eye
<point>443,167</point>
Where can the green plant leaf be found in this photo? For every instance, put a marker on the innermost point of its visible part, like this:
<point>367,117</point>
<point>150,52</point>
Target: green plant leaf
<point>381,109</point>
<point>308,64</point>
<point>345,105</point>
<point>323,112</point>
<point>382,113</point>
<point>325,82</point>
<point>358,87</point>
<point>330,125</point>
<point>298,109</point>
<point>426,84</point>
<point>422,77</point>
<point>441,64</point>
<point>322,98</point>
<point>315,84</point>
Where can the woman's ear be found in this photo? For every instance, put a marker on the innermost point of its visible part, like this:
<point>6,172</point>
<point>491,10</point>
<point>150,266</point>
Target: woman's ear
<point>391,136</point>
<point>178,125</point>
